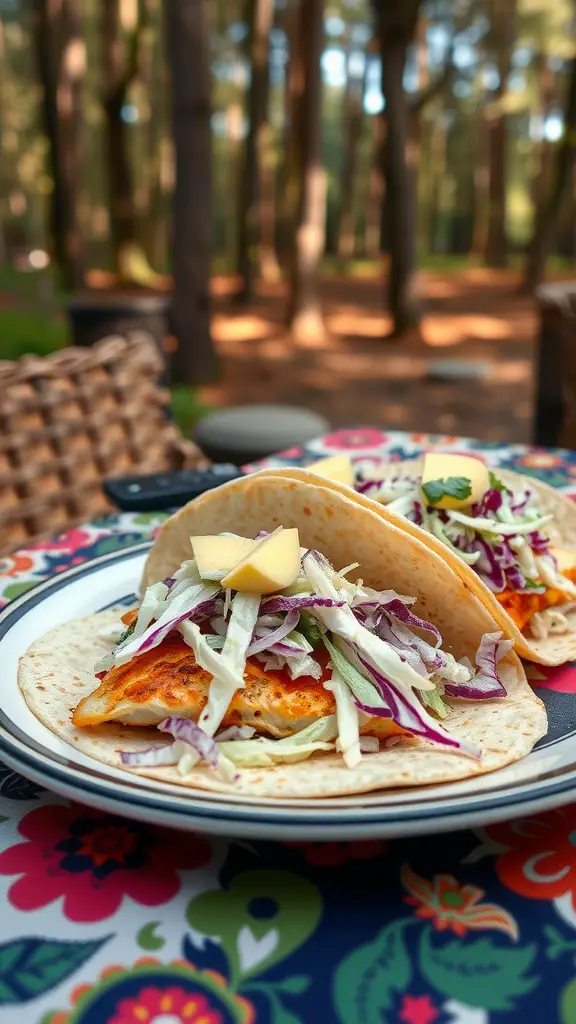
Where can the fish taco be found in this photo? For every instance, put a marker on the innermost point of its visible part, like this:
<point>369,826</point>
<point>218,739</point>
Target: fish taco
<point>291,643</point>
<point>511,538</point>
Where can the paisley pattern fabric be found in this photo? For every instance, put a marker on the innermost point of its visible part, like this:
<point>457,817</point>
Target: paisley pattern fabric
<point>106,921</point>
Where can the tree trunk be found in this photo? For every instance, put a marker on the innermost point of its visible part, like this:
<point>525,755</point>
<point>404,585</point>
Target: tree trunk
<point>353,109</point>
<point>287,178</point>
<point>375,197</point>
<point>501,42</point>
<point>188,45</point>
<point>542,150</point>
<point>481,176</point>
<point>256,151</point>
<point>61,62</point>
<point>547,215</point>
<point>417,135</point>
<point>234,130</point>
<point>157,152</point>
<point>269,265</point>
<point>304,311</point>
<point>121,66</point>
<point>396,28</point>
<point>436,173</point>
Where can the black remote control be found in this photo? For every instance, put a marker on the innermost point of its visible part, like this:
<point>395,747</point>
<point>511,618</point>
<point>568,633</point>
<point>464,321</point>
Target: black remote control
<point>161,491</point>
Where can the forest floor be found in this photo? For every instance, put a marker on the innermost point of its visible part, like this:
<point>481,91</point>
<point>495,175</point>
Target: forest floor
<point>354,377</point>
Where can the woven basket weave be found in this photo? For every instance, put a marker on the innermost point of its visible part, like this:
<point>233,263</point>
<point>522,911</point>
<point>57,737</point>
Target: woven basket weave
<point>71,419</point>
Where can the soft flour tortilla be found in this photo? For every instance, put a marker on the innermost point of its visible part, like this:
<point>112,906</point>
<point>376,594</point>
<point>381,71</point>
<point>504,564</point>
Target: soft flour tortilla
<point>57,671</point>
<point>556,649</point>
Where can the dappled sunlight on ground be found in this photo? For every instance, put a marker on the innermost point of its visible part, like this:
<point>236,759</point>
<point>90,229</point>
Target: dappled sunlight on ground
<point>352,375</point>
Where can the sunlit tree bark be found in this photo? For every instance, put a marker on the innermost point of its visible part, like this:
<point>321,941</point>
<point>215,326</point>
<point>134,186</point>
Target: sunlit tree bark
<point>351,132</point>
<point>546,218</point>
<point>122,55</point>
<point>256,222</point>
<point>188,49</point>
<point>396,26</point>
<point>61,62</point>
<point>304,311</point>
<point>502,34</point>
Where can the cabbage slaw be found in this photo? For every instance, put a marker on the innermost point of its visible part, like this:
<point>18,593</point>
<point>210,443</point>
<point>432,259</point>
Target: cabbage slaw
<point>380,665</point>
<point>503,537</point>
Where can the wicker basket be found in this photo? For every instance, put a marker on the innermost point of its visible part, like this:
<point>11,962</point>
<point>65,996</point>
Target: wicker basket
<point>72,419</point>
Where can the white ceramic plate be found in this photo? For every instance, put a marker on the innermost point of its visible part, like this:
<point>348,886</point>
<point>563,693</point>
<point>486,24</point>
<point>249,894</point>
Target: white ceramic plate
<point>545,779</point>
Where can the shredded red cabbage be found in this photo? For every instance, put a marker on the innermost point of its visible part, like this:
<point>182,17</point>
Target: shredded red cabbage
<point>486,683</point>
<point>363,486</point>
<point>287,604</point>
<point>515,578</point>
<point>408,650</point>
<point>410,715</point>
<point>152,757</point>
<point>265,638</point>
<point>519,503</point>
<point>187,731</point>
<point>156,636</point>
<point>490,503</point>
<point>417,514</point>
<point>403,614</point>
<point>539,543</point>
<point>494,578</point>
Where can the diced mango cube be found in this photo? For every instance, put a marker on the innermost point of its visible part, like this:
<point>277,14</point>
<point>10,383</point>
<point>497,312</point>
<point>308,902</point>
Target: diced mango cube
<point>273,565</point>
<point>444,466</point>
<point>220,554</point>
<point>335,467</point>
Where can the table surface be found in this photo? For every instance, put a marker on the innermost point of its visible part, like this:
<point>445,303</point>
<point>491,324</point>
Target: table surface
<point>106,921</point>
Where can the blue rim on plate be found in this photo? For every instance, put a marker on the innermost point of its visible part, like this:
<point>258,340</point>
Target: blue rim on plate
<point>223,814</point>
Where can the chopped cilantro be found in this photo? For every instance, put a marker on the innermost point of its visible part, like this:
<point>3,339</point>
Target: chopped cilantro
<point>127,632</point>
<point>452,487</point>
<point>495,483</point>
<point>534,585</point>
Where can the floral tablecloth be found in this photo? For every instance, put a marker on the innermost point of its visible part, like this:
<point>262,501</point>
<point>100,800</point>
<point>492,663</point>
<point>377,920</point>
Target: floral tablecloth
<point>106,921</point>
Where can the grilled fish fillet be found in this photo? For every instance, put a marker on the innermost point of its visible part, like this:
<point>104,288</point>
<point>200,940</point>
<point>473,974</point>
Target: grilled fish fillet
<point>521,606</point>
<point>167,680</point>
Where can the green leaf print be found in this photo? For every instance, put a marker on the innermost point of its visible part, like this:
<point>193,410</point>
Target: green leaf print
<point>278,1012</point>
<point>146,938</point>
<point>15,589</point>
<point>365,982</point>
<point>262,917</point>
<point>150,519</point>
<point>567,1005</point>
<point>477,973</point>
<point>294,986</point>
<point>31,966</point>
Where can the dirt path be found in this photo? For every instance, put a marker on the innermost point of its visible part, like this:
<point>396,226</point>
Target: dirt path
<point>353,377</point>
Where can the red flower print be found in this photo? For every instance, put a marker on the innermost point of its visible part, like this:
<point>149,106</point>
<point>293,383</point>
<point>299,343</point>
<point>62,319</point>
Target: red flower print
<point>150,992</point>
<point>94,860</point>
<point>561,678</point>
<point>292,453</point>
<point>365,437</point>
<point>450,905</point>
<point>418,1010</point>
<point>15,564</point>
<point>539,460</point>
<point>540,861</point>
<point>67,543</point>
<point>172,1004</point>
<point>329,855</point>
